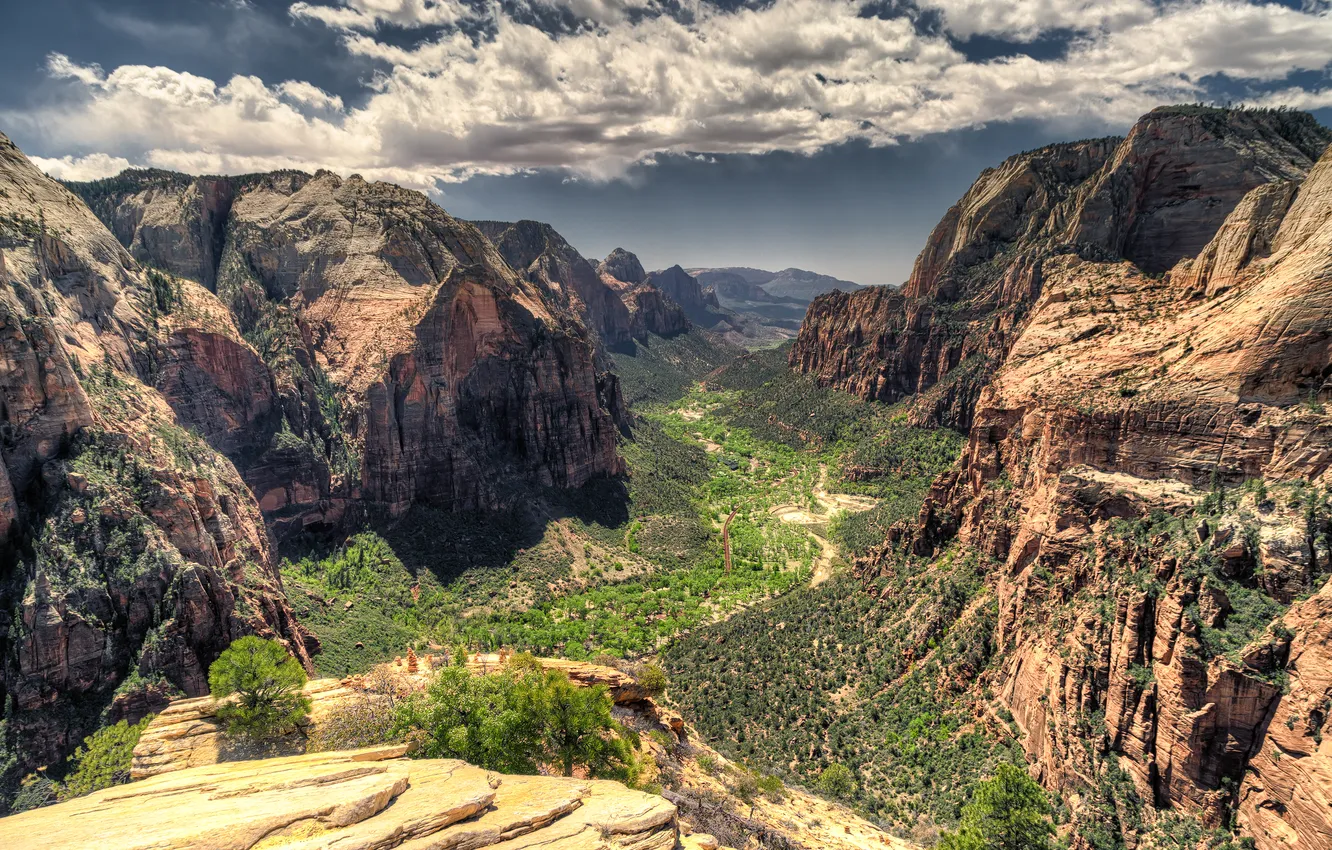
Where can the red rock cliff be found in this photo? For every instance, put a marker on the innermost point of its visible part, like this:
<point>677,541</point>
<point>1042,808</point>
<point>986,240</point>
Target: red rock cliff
<point>132,552</point>
<point>1147,583</point>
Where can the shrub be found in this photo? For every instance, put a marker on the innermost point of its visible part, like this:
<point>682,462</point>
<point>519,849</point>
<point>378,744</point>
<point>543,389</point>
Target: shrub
<point>103,759</point>
<point>837,781</point>
<point>267,684</point>
<point>359,721</point>
<point>35,791</point>
<point>516,720</point>
<point>653,679</point>
<point>745,786</point>
<point>577,728</point>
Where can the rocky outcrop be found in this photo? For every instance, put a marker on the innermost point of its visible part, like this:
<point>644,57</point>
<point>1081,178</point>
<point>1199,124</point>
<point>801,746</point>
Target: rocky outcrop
<point>132,550</point>
<point>1155,197</point>
<point>358,800</point>
<point>650,310</point>
<point>1141,593</point>
<point>537,252</point>
<point>187,734</point>
<point>699,304</point>
<point>407,360</point>
<point>623,266</point>
<point>173,221</point>
<point>1180,172</point>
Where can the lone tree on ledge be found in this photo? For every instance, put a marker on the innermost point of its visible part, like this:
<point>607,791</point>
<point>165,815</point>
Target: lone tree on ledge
<point>267,683</point>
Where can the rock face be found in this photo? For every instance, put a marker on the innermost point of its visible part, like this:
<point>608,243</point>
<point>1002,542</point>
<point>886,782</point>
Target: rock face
<point>1141,595</point>
<point>623,266</point>
<point>650,310</point>
<point>406,360</point>
<point>1152,198</point>
<point>358,800</point>
<point>543,256</point>
<point>169,219</point>
<point>187,733</point>
<point>699,304</point>
<point>131,548</point>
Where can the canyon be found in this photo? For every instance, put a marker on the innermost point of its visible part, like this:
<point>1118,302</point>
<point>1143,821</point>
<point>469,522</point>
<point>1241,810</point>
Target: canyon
<point>217,391</point>
<point>1134,335</point>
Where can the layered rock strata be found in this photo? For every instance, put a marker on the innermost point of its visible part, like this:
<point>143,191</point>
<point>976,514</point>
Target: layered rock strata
<point>357,800</point>
<point>1112,473</point>
<point>406,360</point>
<point>1153,198</point>
<point>132,551</point>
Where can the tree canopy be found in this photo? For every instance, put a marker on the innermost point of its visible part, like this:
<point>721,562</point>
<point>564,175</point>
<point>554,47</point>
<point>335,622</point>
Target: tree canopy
<point>1007,812</point>
<point>516,720</point>
<point>267,684</point>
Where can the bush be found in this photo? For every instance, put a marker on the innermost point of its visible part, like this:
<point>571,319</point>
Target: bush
<point>772,788</point>
<point>35,791</point>
<point>837,781</point>
<point>103,759</point>
<point>653,679</point>
<point>267,684</point>
<point>516,720</point>
<point>360,721</point>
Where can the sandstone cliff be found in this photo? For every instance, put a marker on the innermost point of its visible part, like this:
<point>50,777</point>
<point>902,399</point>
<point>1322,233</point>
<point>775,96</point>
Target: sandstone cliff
<point>536,251</point>
<point>131,553</point>
<point>650,310</point>
<point>1147,472</point>
<point>405,358</point>
<point>699,304</point>
<point>359,800</point>
<point>1152,198</point>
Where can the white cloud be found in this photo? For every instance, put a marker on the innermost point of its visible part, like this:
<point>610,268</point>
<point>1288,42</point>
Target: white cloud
<point>369,15</point>
<point>796,75</point>
<point>310,95</point>
<point>91,167</point>
<point>1027,19</point>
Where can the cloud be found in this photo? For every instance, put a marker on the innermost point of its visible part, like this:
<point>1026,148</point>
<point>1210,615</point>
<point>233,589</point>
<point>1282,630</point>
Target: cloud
<point>91,167</point>
<point>1026,20</point>
<point>792,75</point>
<point>369,15</point>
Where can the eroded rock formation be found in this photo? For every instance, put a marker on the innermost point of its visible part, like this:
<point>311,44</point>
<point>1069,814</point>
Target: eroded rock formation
<point>1152,198</point>
<point>406,359</point>
<point>1142,585</point>
<point>129,548</point>
<point>359,800</point>
<point>650,310</point>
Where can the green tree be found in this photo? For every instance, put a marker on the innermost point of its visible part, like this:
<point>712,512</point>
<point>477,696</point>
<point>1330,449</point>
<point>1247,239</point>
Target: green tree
<point>515,720</point>
<point>267,684</point>
<point>103,759</point>
<point>578,729</point>
<point>836,780</point>
<point>1007,812</point>
<point>492,721</point>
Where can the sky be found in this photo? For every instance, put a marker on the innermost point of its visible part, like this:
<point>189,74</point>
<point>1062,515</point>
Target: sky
<point>825,134</point>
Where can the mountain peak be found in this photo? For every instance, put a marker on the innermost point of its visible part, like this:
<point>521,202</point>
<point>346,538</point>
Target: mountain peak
<point>624,266</point>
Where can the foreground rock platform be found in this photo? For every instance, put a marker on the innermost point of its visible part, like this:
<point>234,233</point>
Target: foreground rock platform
<point>352,800</point>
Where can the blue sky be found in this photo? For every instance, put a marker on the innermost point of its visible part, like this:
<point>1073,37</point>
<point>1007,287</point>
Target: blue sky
<point>826,134</point>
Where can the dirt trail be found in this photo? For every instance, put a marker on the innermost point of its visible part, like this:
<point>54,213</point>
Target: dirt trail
<point>828,503</point>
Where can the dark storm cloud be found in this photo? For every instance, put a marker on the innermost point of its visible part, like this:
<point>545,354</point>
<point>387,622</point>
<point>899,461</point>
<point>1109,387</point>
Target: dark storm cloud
<point>432,92</point>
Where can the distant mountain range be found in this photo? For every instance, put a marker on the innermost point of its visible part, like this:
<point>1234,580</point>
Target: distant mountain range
<point>774,296</point>
<point>747,284</point>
